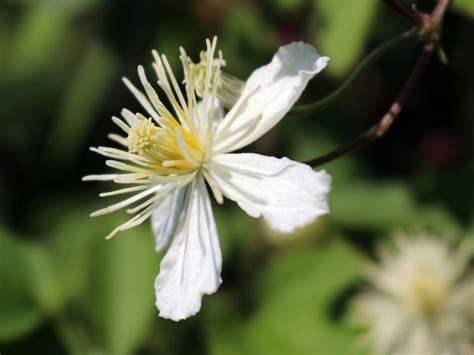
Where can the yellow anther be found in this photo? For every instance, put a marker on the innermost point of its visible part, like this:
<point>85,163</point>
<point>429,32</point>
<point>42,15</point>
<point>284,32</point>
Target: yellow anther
<point>198,72</point>
<point>142,136</point>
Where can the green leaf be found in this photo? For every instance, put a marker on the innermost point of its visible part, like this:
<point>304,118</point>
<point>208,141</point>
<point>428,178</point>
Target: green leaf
<point>384,206</point>
<point>42,34</point>
<point>305,144</point>
<point>297,291</point>
<point>20,312</point>
<point>235,228</point>
<point>465,6</point>
<point>110,283</point>
<point>70,6</point>
<point>83,97</point>
<point>244,32</point>
<point>342,28</point>
<point>374,206</point>
<point>289,6</point>
<point>121,293</point>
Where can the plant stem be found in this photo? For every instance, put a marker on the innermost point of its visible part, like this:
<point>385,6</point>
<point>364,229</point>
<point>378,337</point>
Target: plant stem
<point>384,124</point>
<point>412,16</point>
<point>378,52</point>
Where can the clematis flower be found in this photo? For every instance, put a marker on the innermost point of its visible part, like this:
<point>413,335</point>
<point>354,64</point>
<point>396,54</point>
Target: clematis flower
<point>229,88</point>
<point>169,155</point>
<point>421,300</point>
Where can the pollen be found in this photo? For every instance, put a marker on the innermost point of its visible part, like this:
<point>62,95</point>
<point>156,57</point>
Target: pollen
<point>142,136</point>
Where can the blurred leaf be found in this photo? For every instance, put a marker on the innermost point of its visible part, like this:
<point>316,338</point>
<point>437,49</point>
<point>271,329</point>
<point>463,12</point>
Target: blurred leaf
<point>72,241</point>
<point>381,206</point>
<point>364,205</point>
<point>108,286</point>
<point>245,31</point>
<point>289,5</point>
<point>42,34</point>
<point>19,311</point>
<point>343,27</point>
<point>72,6</point>
<point>83,97</point>
<point>4,37</point>
<point>305,144</point>
<point>235,227</point>
<point>121,295</point>
<point>297,291</point>
<point>465,6</point>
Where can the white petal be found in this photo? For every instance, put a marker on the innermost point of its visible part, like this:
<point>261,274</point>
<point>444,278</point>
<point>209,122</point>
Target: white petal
<point>192,265</point>
<point>165,218</point>
<point>281,83</point>
<point>286,193</point>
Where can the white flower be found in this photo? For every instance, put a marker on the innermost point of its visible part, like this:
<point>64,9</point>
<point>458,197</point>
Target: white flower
<point>422,301</point>
<point>229,88</point>
<point>169,157</point>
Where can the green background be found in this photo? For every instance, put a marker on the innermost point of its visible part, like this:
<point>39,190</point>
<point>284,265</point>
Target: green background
<point>65,290</point>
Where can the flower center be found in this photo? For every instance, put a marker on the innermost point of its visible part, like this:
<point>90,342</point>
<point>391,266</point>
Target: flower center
<point>168,150</point>
<point>428,295</point>
<point>142,137</point>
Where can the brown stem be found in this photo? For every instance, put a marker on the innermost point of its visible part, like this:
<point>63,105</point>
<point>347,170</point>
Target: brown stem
<point>412,16</point>
<point>384,124</point>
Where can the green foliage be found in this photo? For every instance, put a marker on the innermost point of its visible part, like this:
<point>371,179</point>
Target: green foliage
<point>465,6</point>
<point>281,294</point>
<point>20,311</point>
<point>378,207</point>
<point>289,6</point>
<point>243,32</point>
<point>121,294</point>
<point>86,91</point>
<point>296,293</point>
<point>343,27</point>
<point>42,33</point>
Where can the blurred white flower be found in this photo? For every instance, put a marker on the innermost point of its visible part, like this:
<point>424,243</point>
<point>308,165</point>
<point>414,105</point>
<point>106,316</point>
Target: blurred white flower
<point>169,156</point>
<point>422,299</point>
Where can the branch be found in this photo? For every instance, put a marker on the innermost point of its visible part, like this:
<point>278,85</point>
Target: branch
<point>412,16</point>
<point>317,106</point>
<point>384,124</point>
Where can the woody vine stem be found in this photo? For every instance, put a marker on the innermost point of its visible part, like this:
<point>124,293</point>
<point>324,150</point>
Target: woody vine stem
<point>428,29</point>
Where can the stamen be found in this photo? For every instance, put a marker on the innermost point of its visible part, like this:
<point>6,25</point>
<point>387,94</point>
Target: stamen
<point>126,202</point>
<point>118,139</point>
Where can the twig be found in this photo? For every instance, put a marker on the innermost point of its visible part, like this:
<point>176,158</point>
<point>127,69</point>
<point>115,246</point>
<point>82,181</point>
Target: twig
<point>412,16</point>
<point>430,31</point>
<point>317,106</point>
<point>383,125</point>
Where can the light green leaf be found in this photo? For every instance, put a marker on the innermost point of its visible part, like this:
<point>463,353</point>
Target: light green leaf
<point>121,293</point>
<point>297,291</point>
<point>465,6</point>
<point>384,206</point>
<point>245,31</point>
<point>20,312</point>
<point>373,206</point>
<point>83,97</point>
<point>70,6</point>
<point>341,29</point>
<point>43,33</point>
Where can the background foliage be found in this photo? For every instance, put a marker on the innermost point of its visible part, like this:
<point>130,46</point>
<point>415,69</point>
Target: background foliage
<point>64,289</point>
